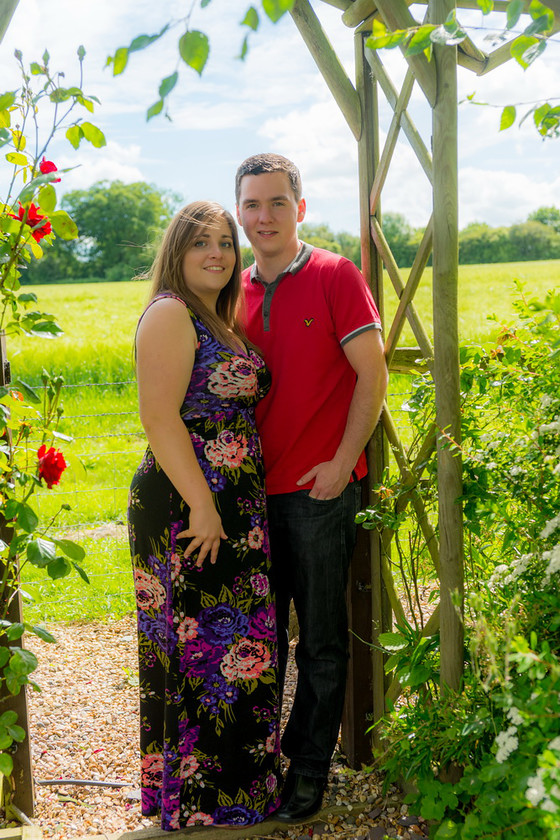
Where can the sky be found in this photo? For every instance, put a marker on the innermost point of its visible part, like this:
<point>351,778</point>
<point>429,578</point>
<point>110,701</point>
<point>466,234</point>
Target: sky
<point>276,100</point>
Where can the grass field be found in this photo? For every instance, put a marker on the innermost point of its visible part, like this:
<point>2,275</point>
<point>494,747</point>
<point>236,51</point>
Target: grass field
<point>95,357</point>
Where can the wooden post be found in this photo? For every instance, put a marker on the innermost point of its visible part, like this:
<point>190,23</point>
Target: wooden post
<point>7,9</point>
<point>22,795</point>
<point>446,354</point>
<point>369,613</point>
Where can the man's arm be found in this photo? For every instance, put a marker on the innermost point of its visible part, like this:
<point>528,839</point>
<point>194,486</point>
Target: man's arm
<point>366,354</point>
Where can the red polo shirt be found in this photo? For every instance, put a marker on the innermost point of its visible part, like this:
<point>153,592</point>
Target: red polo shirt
<point>301,322</point>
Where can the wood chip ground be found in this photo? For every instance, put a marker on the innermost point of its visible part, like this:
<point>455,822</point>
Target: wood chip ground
<point>84,725</point>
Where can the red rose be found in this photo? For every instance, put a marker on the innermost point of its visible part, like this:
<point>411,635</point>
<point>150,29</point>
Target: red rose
<point>47,166</point>
<point>51,464</point>
<point>33,219</point>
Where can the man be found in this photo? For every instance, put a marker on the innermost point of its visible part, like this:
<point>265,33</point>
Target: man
<point>313,317</point>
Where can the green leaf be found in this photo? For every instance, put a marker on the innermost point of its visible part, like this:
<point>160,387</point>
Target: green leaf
<point>74,134</point>
<point>63,225</point>
<point>8,718</point>
<point>28,191</point>
<point>392,641</point>
<point>244,48</point>
<point>168,84</point>
<point>204,3</point>
<point>22,662</point>
<point>120,60</point>
<point>194,49</point>
<point>486,5</point>
<point>539,10</point>
<point>275,9</point>
<point>5,741</point>
<point>45,329</point>
<point>513,12</point>
<point>82,573</point>
<point>251,19</point>
<point>41,632</point>
<point>520,47</point>
<point>6,764</point>
<point>28,392</point>
<point>538,26</point>
<point>381,38</point>
<point>421,40</point>
<point>143,41</point>
<point>47,198</point>
<point>7,100</point>
<point>59,568</point>
<point>508,116</point>
<point>17,158</point>
<point>71,549</point>
<point>27,518</point>
<point>17,733</point>
<point>154,109</point>
<point>448,828</point>
<point>93,134</point>
<point>15,631</point>
<point>444,36</point>
<point>41,552</point>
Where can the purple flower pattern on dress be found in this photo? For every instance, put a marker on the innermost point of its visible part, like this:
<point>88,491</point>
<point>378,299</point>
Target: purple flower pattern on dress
<point>207,645</point>
<point>219,624</point>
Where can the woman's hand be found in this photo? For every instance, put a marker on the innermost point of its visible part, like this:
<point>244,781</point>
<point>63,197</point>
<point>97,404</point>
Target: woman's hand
<point>206,532</point>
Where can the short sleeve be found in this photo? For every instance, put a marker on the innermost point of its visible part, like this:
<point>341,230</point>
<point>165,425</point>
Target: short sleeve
<point>352,305</point>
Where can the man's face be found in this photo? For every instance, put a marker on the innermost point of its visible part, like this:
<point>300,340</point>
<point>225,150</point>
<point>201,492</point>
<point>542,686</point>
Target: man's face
<point>269,213</point>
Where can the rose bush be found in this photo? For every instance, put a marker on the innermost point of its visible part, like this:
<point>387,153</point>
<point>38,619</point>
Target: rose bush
<point>29,417</point>
<point>502,733</point>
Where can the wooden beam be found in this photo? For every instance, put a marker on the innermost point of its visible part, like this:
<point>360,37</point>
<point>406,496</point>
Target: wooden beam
<point>365,695</point>
<point>446,355</point>
<point>7,9</point>
<point>394,275</point>
<point>420,262</point>
<point>327,61</point>
<point>408,360</point>
<point>339,4</point>
<point>21,794</point>
<point>358,11</point>
<point>396,15</point>
<point>411,476</point>
<point>391,141</point>
<point>408,126</point>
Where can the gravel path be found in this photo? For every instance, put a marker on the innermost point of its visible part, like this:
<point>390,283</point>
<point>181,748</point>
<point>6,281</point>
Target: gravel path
<point>84,725</point>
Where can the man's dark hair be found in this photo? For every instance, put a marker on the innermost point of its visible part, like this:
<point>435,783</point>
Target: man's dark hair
<point>268,162</point>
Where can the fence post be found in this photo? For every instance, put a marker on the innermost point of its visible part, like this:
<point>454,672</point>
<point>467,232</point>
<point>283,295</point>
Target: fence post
<point>22,796</point>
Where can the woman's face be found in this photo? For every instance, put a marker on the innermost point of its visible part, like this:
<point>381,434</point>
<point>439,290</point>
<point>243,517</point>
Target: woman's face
<point>209,262</point>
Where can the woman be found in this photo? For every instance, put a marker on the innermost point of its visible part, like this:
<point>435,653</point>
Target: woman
<point>197,520</point>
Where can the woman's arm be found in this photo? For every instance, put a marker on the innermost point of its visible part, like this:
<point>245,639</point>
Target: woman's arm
<point>165,346</point>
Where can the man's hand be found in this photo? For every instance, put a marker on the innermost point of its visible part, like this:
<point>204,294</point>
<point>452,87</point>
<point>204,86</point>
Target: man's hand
<point>330,480</point>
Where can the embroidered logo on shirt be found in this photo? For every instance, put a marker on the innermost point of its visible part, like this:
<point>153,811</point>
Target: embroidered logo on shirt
<point>308,321</point>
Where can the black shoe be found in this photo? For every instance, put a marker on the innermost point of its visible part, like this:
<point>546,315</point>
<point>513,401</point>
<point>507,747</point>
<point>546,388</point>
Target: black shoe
<point>301,798</point>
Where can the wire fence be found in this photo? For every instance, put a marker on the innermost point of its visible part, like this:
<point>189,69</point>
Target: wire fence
<point>108,443</point>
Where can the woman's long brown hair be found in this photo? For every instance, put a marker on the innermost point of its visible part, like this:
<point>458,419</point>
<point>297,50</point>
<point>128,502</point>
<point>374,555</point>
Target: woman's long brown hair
<point>166,272</point>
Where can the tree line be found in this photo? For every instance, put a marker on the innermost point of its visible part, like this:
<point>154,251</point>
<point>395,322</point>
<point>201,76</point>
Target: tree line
<point>120,225</point>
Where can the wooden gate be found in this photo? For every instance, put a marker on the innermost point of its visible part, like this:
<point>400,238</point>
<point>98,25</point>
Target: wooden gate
<point>374,596</point>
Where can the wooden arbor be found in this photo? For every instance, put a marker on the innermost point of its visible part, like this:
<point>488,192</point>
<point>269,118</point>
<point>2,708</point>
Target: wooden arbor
<point>373,595</point>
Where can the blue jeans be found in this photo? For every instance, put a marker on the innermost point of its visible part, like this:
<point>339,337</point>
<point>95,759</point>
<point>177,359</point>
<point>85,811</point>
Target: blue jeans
<point>311,546</point>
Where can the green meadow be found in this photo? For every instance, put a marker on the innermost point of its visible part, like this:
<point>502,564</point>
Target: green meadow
<point>94,355</point>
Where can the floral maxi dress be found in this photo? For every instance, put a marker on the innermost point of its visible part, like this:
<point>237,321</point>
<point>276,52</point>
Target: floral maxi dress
<point>209,718</point>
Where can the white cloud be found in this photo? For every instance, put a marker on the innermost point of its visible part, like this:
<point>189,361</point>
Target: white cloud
<point>500,197</point>
<point>276,100</point>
